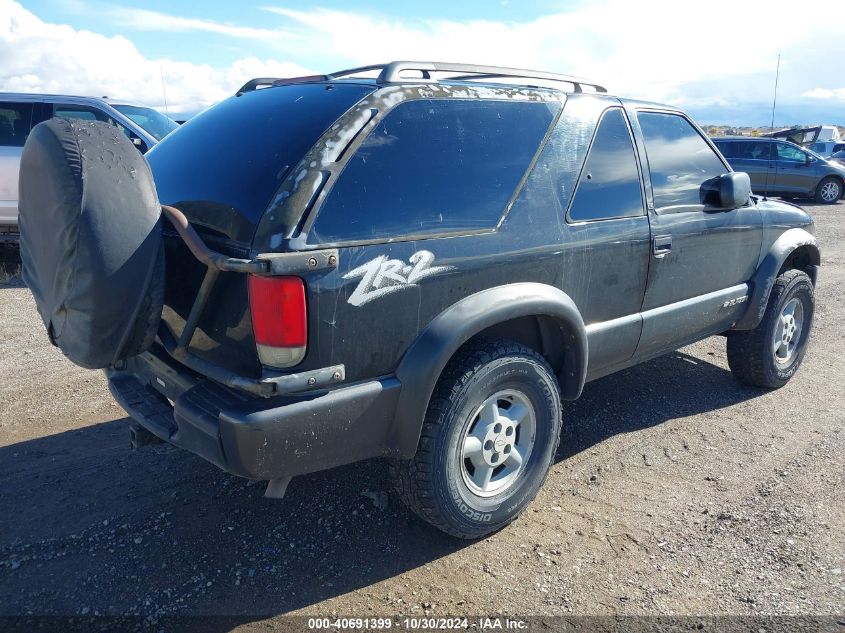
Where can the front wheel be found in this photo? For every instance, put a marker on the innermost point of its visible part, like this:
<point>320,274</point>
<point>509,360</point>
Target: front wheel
<point>489,438</point>
<point>829,190</point>
<point>770,354</point>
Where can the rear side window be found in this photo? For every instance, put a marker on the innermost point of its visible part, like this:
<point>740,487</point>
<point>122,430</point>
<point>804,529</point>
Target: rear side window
<point>679,160</point>
<point>434,166</point>
<point>15,123</point>
<point>754,150</point>
<point>610,181</point>
<point>727,148</point>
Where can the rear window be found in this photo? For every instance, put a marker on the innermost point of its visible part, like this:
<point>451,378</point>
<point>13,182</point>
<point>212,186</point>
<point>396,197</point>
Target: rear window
<point>434,166</point>
<point>15,123</point>
<point>232,158</point>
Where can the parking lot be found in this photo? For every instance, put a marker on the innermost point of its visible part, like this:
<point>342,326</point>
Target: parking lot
<point>677,491</point>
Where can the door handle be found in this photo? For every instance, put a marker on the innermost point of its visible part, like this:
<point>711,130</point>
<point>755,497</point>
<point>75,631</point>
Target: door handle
<point>662,245</point>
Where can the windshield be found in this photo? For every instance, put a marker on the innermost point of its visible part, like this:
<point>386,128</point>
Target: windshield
<point>153,121</point>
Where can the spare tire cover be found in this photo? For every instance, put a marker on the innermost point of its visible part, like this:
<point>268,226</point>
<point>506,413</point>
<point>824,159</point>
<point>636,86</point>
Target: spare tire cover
<point>89,235</point>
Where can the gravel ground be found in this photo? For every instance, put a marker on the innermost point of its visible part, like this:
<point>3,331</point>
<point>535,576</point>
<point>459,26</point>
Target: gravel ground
<point>676,491</point>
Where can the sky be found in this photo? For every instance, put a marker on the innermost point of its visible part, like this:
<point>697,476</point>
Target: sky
<point>714,58</point>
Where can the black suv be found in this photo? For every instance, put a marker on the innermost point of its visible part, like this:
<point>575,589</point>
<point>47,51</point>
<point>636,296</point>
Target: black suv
<point>784,169</point>
<point>423,265</point>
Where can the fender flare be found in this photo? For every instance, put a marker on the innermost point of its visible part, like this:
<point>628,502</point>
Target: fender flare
<point>425,359</point>
<point>767,272</point>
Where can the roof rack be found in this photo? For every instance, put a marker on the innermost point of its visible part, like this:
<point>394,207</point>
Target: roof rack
<point>393,73</point>
<point>258,82</point>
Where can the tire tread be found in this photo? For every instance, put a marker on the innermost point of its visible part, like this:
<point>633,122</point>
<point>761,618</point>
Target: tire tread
<point>747,350</point>
<point>413,478</point>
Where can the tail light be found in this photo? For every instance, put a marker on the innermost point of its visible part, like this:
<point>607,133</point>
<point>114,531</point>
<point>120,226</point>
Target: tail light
<point>279,319</point>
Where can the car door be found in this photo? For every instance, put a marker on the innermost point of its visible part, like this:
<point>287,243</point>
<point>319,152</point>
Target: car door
<point>754,157</point>
<point>701,258</point>
<point>796,169</point>
<point>15,123</point>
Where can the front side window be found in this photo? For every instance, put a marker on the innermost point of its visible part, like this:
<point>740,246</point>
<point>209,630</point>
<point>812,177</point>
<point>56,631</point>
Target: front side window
<point>679,160</point>
<point>433,166</point>
<point>609,186</point>
<point>790,153</point>
<point>15,123</point>
<point>84,113</point>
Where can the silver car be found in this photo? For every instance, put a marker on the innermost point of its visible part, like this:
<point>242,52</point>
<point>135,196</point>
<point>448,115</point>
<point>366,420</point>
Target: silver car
<point>20,112</point>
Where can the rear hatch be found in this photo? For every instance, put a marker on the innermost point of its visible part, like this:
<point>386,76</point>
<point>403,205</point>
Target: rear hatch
<point>222,169</point>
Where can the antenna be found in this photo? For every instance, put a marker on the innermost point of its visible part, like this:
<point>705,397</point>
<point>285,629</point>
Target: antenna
<point>772,127</point>
<point>163,91</point>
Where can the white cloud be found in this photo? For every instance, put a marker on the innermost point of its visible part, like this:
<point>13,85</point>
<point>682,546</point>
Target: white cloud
<point>699,55</point>
<point>648,49</point>
<point>145,20</point>
<point>825,93</point>
<point>42,57</point>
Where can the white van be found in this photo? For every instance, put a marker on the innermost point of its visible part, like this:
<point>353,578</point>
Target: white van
<point>20,112</point>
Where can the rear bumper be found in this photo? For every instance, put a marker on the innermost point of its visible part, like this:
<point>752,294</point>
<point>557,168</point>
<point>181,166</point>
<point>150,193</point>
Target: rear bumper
<point>258,438</point>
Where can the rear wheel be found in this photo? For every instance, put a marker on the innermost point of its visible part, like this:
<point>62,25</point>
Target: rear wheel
<point>770,354</point>
<point>829,190</point>
<point>489,437</point>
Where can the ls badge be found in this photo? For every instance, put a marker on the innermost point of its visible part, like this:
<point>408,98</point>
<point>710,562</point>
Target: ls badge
<point>382,276</point>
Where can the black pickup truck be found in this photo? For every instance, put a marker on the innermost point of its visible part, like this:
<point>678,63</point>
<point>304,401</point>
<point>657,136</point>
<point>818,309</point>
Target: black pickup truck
<point>419,265</point>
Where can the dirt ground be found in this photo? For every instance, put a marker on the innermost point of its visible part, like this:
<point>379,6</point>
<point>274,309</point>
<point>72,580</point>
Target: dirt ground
<point>676,491</point>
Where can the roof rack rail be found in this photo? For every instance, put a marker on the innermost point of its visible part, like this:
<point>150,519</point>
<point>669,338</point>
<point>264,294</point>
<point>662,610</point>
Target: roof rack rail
<point>392,73</point>
<point>258,82</point>
<point>355,71</point>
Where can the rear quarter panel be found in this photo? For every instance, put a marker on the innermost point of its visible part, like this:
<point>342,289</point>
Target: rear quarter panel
<point>368,331</point>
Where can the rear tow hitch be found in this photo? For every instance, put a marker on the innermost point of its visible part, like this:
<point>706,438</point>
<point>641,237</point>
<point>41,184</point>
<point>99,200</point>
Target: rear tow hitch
<point>139,436</point>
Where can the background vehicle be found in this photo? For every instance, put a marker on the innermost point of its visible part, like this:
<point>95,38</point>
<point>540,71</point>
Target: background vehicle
<point>422,268</point>
<point>783,169</point>
<point>20,112</point>
<point>807,136</point>
<point>827,148</point>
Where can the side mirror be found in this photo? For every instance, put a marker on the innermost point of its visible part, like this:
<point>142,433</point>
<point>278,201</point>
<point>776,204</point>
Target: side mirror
<point>726,192</point>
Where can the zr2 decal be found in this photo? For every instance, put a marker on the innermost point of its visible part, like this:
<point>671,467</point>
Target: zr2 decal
<point>382,276</point>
